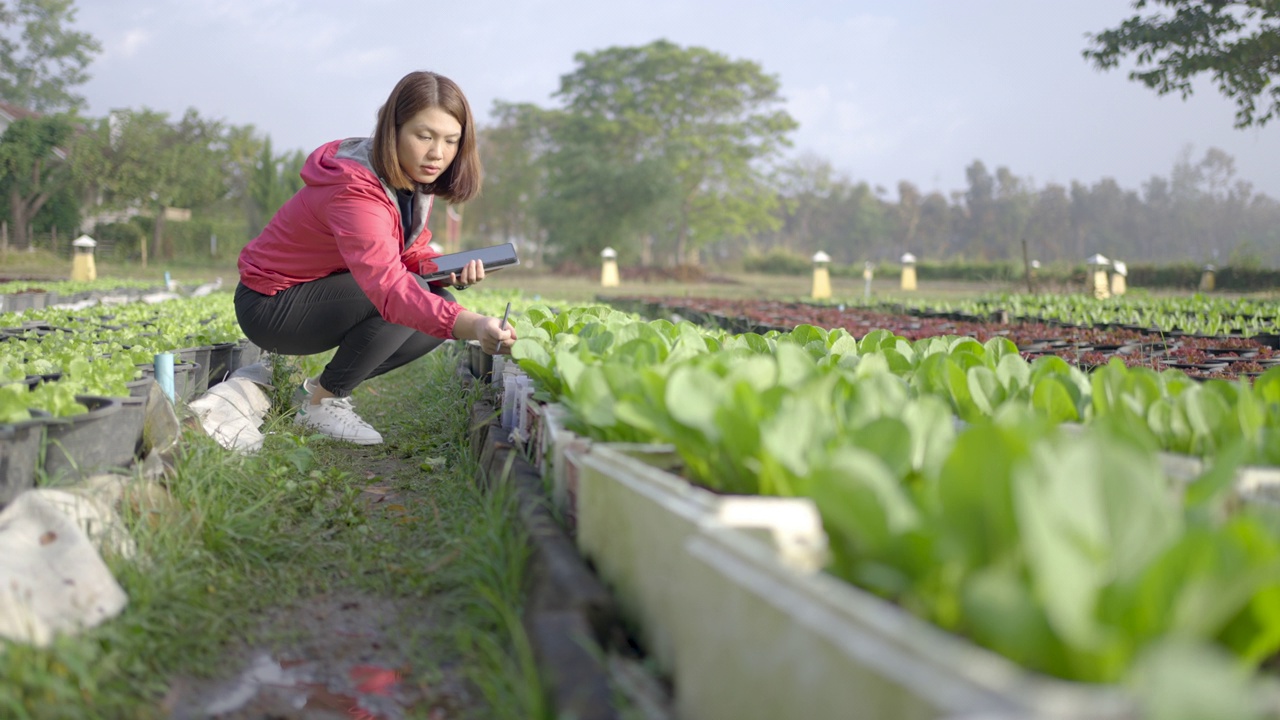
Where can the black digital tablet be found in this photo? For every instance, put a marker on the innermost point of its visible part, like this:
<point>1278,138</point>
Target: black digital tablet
<point>494,257</point>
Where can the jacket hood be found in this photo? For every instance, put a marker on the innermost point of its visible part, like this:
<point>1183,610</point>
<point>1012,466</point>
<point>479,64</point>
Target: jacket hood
<point>345,162</point>
<point>341,161</point>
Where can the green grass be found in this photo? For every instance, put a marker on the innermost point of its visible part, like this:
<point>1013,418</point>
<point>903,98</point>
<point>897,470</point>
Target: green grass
<point>242,535</point>
<point>580,288</point>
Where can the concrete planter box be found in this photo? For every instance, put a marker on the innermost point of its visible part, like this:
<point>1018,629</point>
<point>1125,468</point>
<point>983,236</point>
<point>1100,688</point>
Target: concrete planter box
<point>765,640</point>
<point>634,522</point>
<point>559,452</point>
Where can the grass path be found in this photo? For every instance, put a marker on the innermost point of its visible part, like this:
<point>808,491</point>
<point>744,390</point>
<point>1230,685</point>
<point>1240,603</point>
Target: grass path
<point>308,577</point>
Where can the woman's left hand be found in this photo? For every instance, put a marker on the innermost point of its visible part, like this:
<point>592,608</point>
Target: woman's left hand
<point>471,274</point>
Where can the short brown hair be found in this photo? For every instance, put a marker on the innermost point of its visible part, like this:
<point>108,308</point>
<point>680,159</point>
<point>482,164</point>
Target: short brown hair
<point>416,92</point>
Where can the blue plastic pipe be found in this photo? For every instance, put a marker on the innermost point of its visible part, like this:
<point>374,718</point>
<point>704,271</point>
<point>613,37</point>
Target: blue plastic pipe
<point>164,373</point>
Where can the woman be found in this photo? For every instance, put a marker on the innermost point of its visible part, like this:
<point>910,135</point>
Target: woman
<point>340,264</point>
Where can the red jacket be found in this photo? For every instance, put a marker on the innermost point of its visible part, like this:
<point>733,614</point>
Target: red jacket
<point>346,219</point>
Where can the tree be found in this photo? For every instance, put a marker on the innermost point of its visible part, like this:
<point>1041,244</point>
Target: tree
<point>687,130</point>
<point>1015,203</point>
<point>32,167</point>
<point>910,205</point>
<point>273,180</point>
<point>870,226</point>
<point>806,186</point>
<point>512,151</point>
<point>1236,41</point>
<point>1048,232</point>
<point>981,229</point>
<point>139,159</point>
<point>593,200</point>
<point>936,228</point>
<point>41,64</point>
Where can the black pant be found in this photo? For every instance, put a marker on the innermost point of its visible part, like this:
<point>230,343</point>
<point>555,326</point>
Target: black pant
<point>332,312</point>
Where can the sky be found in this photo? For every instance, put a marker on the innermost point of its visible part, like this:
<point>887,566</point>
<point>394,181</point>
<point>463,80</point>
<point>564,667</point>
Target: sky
<point>885,91</point>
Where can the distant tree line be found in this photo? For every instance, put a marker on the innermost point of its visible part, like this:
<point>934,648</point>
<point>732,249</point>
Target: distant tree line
<point>670,155</point>
<point>1199,213</point>
<point>59,168</point>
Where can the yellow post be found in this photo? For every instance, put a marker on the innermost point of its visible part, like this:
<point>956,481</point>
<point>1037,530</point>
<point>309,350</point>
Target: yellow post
<point>82,266</point>
<point>1098,276</point>
<point>1118,272</point>
<point>1207,280</point>
<point>908,271</point>
<point>609,268</point>
<point>821,276</point>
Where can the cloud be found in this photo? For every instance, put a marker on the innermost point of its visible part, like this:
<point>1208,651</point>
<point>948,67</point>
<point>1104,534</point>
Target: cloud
<point>133,41</point>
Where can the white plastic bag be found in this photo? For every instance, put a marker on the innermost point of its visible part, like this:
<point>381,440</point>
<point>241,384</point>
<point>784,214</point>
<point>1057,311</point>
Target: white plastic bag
<point>232,413</point>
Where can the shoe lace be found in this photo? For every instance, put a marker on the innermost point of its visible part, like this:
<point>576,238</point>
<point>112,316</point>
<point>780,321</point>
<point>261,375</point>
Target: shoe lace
<point>348,415</point>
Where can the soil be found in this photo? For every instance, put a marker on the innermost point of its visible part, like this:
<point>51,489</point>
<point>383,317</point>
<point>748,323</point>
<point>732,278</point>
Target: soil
<point>339,655</point>
<point>347,657</point>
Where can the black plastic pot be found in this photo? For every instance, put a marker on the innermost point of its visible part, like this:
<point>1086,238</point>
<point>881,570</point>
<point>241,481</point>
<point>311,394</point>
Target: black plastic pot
<point>219,362</point>
<point>198,356</point>
<point>140,387</point>
<point>95,441</point>
<point>185,378</point>
<point>1271,340</point>
<point>244,353</point>
<point>20,445</point>
<point>133,416</point>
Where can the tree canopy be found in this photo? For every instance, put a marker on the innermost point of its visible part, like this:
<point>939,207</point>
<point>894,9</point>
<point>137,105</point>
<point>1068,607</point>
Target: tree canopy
<point>41,58</point>
<point>1237,42</point>
<point>663,140</point>
<point>510,149</point>
<point>32,167</point>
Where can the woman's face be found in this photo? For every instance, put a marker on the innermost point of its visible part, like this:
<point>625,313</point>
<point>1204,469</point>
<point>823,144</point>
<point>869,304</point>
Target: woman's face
<point>427,143</point>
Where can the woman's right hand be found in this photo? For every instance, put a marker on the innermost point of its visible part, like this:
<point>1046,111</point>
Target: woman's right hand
<point>494,340</point>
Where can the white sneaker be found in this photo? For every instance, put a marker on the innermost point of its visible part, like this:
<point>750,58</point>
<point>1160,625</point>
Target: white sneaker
<point>337,418</point>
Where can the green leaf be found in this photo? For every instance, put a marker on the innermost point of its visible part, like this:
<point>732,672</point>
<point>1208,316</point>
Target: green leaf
<point>794,365</point>
<point>875,339</point>
<point>759,372</point>
<point>870,363</point>
<point>933,432</point>
<point>890,439</point>
<point>1052,396</point>
<point>1063,531</point>
<point>796,430</point>
<point>1002,613</point>
<point>1014,373</point>
<point>971,497</point>
<point>998,348</point>
<point>957,384</point>
<point>14,403</point>
<point>691,397</point>
<point>985,389</point>
<point>861,500</point>
<point>842,343</point>
<point>1267,385</point>
<point>1178,678</point>
<point>592,398</point>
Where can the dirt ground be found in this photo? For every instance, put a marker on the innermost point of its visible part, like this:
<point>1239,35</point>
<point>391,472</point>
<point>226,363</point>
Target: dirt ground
<point>340,655</point>
<point>347,659</point>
